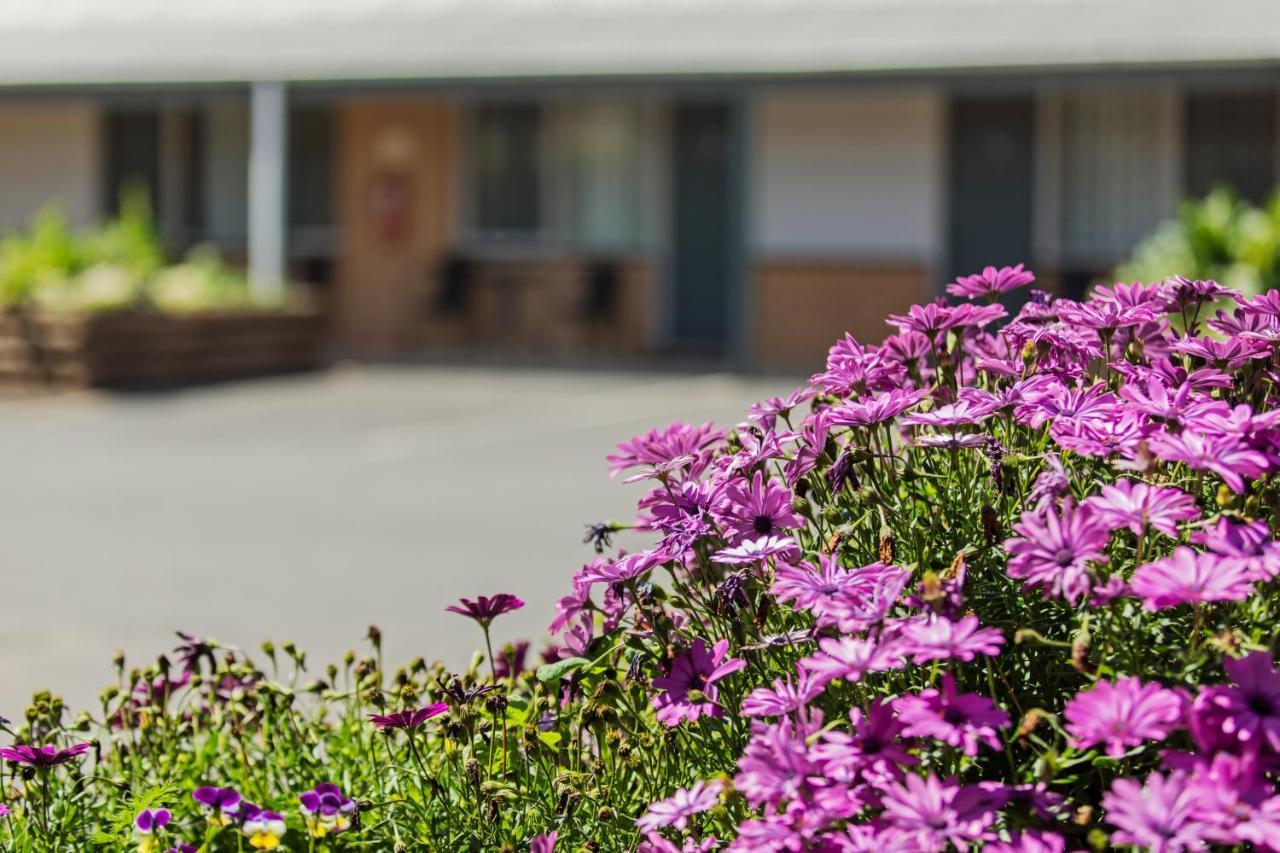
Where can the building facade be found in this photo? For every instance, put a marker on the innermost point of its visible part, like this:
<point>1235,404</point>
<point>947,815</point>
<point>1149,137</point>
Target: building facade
<point>744,213</point>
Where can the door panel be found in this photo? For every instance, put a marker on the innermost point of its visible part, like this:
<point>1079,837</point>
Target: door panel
<point>703,246</point>
<point>991,174</point>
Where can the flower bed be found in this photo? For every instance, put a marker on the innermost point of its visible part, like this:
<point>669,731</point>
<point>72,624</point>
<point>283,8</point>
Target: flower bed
<point>142,348</point>
<point>1012,589</point>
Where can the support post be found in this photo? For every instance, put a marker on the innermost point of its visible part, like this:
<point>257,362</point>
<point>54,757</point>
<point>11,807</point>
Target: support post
<point>268,143</point>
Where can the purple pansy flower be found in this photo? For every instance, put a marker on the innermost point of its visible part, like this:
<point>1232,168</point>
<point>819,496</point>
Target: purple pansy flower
<point>325,810</point>
<point>220,805</point>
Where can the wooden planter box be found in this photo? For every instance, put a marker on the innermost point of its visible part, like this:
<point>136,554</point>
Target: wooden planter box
<point>141,349</point>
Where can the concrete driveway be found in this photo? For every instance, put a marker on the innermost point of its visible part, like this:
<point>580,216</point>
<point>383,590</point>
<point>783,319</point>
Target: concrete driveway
<point>308,508</point>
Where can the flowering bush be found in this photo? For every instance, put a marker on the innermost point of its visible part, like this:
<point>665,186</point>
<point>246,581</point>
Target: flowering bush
<point>1012,589</point>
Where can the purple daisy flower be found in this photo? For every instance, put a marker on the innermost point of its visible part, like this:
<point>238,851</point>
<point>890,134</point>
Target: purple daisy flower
<point>872,750</point>
<point>1122,714</point>
<point>1230,459</point>
<point>690,683</point>
<point>786,696</point>
<point>939,813</point>
<point>938,638</point>
<point>755,509</point>
<point>1189,577</point>
<point>545,843</point>
<point>408,718</point>
<point>1249,542</point>
<point>877,409</point>
<point>962,720</point>
<point>658,446</point>
<point>1054,549</point>
<point>485,609</point>
<point>676,810</point>
<point>1138,505</point>
<point>43,757</point>
<point>849,658</point>
<point>1251,705</point>
<point>757,551</point>
<point>1158,816</point>
<point>991,282</point>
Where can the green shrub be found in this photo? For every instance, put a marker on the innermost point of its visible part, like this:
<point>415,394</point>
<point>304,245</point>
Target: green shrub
<point>1220,237</point>
<point>117,265</point>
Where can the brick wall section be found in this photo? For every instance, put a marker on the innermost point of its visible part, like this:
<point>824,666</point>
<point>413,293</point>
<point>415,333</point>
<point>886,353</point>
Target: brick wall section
<point>804,306</point>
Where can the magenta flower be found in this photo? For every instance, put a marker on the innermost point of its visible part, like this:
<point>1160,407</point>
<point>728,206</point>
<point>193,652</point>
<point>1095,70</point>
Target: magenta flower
<point>961,720</point>
<point>1250,707</point>
<point>659,446</point>
<point>755,509</point>
<point>850,599</point>
<point>849,658</point>
<point>1122,714</point>
<point>408,718</point>
<point>1138,505</point>
<point>872,751</point>
<point>757,551</point>
<point>484,609</point>
<point>877,409</point>
<point>543,843</point>
<point>1158,816</point>
<point>991,282</point>
<point>938,638</point>
<point>776,764</point>
<point>1189,577</point>
<point>784,697</point>
<point>1054,549</point>
<point>43,757</point>
<point>689,686</point>
<point>1230,459</point>
<point>960,413</point>
<point>676,810</point>
<point>1031,841</point>
<point>939,813</point>
<point>1250,543</point>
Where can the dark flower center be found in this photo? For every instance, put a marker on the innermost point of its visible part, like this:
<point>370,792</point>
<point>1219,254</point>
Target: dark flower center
<point>871,745</point>
<point>1064,557</point>
<point>763,524</point>
<point>953,715</point>
<point>1261,705</point>
<point>697,681</point>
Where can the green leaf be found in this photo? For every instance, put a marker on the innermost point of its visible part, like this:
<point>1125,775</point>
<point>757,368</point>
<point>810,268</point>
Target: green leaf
<point>549,673</point>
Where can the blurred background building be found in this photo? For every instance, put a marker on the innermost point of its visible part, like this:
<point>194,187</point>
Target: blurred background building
<point>738,180</point>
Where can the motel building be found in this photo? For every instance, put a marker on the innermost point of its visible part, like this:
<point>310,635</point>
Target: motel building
<point>734,180</point>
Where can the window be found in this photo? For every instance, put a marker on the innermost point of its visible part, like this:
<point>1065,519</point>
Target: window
<point>1231,140</point>
<point>578,174</point>
<point>507,168</point>
<point>1114,178</point>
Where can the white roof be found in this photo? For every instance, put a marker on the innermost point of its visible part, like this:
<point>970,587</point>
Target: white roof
<point>159,41</point>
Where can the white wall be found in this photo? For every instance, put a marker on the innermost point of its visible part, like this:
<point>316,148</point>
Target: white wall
<point>848,175</point>
<point>48,154</point>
